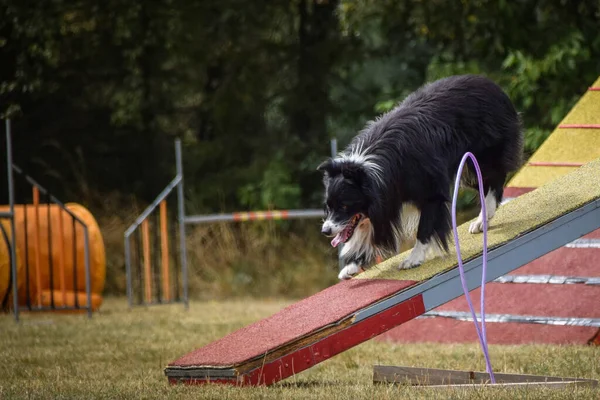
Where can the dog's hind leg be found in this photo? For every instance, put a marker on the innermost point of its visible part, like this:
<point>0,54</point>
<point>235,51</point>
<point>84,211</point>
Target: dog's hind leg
<point>432,233</point>
<point>493,197</point>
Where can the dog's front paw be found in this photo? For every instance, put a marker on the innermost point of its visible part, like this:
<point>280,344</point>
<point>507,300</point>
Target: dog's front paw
<point>408,264</point>
<point>416,256</point>
<point>349,271</point>
<point>476,226</point>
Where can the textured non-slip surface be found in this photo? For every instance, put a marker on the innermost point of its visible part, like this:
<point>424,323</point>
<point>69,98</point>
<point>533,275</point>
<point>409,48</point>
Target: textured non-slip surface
<point>512,219</point>
<point>445,330</point>
<point>565,144</point>
<point>323,309</point>
<point>577,301</point>
<point>565,262</point>
<point>586,109</point>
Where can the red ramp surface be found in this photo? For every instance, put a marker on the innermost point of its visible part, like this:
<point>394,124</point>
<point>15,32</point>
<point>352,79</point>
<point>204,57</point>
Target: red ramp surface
<point>277,347</point>
<point>575,300</point>
<point>327,308</point>
<point>540,300</point>
<point>450,331</point>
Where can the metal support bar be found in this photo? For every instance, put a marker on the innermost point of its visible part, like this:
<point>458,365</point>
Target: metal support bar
<point>11,202</point>
<point>549,279</point>
<point>6,214</point>
<point>29,179</point>
<point>65,209</point>
<point>45,191</point>
<point>163,195</point>
<point>521,319</point>
<point>584,243</point>
<point>446,286</point>
<point>182,221</point>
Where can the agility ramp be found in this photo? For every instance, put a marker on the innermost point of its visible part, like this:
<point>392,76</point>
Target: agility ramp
<point>553,299</point>
<point>351,312</point>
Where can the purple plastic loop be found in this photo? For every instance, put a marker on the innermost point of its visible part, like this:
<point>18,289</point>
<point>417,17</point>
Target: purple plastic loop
<point>481,333</point>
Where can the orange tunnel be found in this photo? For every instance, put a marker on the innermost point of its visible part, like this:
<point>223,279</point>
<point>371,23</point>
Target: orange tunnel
<point>50,242</point>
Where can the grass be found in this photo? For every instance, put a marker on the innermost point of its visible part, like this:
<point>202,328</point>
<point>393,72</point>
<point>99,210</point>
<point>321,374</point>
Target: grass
<point>120,354</point>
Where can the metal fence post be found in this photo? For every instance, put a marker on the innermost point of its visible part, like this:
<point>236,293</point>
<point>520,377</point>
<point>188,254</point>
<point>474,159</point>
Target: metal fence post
<point>181,218</point>
<point>11,202</point>
<point>341,245</point>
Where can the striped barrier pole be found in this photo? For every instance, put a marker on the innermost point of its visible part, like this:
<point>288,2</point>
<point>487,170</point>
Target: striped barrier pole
<point>254,216</point>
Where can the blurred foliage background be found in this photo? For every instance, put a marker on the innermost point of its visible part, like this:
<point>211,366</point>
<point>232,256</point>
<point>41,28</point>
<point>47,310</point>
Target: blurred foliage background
<point>98,90</point>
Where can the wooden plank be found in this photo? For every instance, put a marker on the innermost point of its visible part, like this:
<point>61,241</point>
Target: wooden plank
<point>432,377</point>
<point>37,242</point>
<point>517,385</point>
<point>147,268</point>
<point>61,256</point>
<point>164,251</point>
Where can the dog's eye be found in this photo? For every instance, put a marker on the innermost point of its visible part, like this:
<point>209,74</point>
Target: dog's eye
<point>345,208</point>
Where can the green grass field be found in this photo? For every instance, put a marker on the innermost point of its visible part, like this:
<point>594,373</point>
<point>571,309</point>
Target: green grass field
<point>120,354</point>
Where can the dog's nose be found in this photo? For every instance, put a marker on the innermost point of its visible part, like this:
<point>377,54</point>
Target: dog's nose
<point>326,230</point>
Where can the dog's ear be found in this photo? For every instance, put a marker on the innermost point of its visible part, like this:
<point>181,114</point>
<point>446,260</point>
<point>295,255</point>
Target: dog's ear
<point>353,172</point>
<point>327,166</point>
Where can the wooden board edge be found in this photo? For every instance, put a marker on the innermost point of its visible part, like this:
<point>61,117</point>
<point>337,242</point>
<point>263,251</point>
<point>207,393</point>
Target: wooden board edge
<point>515,385</point>
<point>432,377</point>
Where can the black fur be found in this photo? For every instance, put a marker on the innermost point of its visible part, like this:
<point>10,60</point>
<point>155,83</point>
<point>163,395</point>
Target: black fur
<point>414,152</point>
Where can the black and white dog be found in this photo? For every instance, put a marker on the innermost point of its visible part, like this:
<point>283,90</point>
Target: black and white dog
<point>395,177</point>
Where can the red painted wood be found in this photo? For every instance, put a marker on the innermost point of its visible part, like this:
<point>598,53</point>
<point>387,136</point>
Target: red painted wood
<point>579,126</point>
<point>510,192</point>
<point>327,347</point>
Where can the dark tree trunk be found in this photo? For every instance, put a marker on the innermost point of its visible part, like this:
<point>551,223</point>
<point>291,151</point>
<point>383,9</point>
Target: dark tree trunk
<point>318,47</point>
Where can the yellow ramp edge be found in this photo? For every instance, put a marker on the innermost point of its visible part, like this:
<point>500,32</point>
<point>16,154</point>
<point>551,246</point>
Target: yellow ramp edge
<point>513,219</point>
<point>565,145</point>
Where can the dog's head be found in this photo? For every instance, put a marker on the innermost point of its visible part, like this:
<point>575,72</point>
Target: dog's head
<point>346,200</point>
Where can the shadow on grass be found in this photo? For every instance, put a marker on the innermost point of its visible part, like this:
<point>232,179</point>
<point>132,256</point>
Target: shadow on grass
<point>309,384</point>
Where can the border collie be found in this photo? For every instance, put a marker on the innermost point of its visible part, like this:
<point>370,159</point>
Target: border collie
<point>393,182</point>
